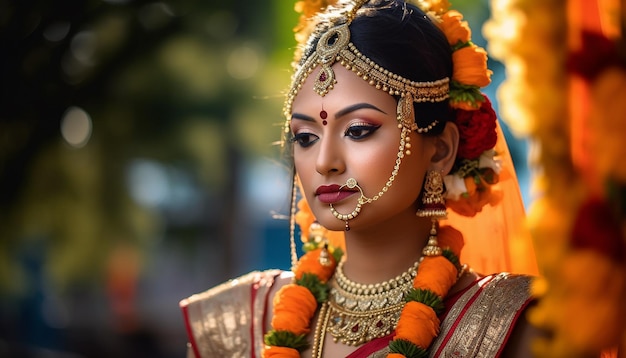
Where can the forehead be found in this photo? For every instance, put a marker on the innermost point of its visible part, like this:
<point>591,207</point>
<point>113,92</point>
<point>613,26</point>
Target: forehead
<point>349,89</point>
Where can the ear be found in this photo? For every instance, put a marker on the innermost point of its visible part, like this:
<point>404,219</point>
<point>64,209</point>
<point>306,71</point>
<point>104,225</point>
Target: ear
<point>446,145</point>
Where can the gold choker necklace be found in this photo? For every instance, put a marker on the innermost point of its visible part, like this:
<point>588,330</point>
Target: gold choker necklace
<point>356,313</point>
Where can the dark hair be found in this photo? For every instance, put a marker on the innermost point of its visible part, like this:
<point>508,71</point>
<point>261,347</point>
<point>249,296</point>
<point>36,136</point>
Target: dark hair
<point>402,39</point>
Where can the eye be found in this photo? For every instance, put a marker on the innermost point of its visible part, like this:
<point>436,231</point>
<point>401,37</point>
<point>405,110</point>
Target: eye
<point>304,139</point>
<point>361,131</point>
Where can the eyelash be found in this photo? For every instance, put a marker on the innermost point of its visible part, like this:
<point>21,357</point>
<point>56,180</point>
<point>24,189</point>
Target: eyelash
<point>368,128</point>
<point>301,137</point>
<point>304,138</point>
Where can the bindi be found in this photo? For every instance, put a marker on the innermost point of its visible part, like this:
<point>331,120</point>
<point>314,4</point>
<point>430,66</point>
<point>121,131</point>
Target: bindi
<point>323,116</point>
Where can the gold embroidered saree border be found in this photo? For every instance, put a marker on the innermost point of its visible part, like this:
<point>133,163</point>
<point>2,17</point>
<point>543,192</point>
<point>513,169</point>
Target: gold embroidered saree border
<point>487,313</point>
<point>227,320</point>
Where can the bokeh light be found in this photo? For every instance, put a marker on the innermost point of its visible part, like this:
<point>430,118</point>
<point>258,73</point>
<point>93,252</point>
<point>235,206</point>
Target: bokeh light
<point>76,127</point>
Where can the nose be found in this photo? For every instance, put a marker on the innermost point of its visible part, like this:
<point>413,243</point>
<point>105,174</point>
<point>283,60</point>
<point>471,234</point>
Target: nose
<point>329,157</point>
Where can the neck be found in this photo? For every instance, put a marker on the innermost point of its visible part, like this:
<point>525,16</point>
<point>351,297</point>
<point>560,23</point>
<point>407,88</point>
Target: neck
<point>380,252</point>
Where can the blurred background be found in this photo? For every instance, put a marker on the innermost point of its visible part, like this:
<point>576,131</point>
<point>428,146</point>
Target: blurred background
<point>137,164</point>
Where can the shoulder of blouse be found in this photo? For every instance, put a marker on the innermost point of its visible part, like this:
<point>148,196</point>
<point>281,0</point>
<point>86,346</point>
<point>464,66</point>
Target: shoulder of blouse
<point>228,320</point>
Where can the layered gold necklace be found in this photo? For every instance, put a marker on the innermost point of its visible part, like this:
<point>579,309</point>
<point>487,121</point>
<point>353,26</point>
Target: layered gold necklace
<point>356,313</point>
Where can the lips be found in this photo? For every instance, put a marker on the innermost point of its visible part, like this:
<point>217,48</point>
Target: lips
<point>330,194</point>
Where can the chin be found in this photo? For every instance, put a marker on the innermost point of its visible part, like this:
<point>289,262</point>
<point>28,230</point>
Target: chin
<point>332,224</point>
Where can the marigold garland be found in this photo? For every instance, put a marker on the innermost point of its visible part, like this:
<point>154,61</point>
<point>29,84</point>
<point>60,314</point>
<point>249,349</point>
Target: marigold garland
<point>309,263</point>
<point>280,352</point>
<point>438,275</point>
<point>413,315</point>
<point>419,324</point>
<point>292,304</point>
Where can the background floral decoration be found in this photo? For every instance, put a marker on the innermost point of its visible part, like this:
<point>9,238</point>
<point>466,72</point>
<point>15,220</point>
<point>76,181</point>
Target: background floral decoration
<point>564,74</point>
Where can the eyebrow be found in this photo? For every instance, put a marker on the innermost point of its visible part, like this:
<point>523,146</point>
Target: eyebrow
<point>303,117</point>
<point>343,112</point>
<point>356,107</point>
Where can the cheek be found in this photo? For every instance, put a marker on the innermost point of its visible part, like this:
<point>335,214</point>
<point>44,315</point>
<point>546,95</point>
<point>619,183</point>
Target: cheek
<point>305,168</point>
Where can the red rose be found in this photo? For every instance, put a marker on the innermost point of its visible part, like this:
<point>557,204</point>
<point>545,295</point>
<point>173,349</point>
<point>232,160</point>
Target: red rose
<point>477,130</point>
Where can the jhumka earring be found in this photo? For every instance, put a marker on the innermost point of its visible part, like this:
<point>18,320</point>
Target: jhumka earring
<point>433,206</point>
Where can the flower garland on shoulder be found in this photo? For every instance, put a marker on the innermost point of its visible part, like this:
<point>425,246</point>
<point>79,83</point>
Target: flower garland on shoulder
<point>419,323</point>
<point>295,304</point>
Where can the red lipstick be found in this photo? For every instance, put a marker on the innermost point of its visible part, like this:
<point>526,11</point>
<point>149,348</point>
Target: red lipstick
<point>331,194</point>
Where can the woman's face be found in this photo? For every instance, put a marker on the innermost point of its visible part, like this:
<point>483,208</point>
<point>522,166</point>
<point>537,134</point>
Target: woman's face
<point>358,139</point>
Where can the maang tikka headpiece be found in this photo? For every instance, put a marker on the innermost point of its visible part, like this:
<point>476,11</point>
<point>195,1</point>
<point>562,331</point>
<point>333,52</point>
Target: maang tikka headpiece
<point>334,46</point>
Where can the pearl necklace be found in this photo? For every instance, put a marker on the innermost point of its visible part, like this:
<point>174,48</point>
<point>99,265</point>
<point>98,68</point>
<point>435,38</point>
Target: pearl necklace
<point>357,313</point>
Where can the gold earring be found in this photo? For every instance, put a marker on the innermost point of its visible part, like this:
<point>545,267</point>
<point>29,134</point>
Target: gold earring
<point>433,202</point>
<point>432,248</point>
<point>433,206</point>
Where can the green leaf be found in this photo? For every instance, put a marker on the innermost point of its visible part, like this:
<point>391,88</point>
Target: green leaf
<point>465,93</point>
<point>448,254</point>
<point>286,339</point>
<point>459,45</point>
<point>408,349</point>
<point>337,254</point>
<point>426,297</point>
<point>313,284</point>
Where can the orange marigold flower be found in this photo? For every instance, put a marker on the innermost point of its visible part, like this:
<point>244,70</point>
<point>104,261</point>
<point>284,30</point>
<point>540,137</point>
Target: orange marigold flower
<point>280,352</point>
<point>309,263</point>
<point>311,7</point>
<point>473,204</point>
<point>418,324</point>
<point>455,29</point>
<point>294,306</point>
<point>439,6</point>
<point>304,218</point>
<point>437,274</point>
<point>395,355</point>
<point>450,238</point>
<point>470,66</point>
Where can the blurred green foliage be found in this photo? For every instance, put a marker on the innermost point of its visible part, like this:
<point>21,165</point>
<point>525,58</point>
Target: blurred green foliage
<point>195,85</point>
